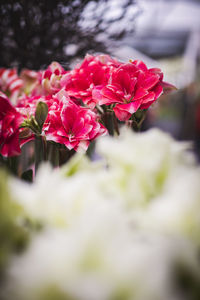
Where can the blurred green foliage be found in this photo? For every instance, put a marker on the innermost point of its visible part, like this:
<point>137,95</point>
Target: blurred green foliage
<point>13,234</point>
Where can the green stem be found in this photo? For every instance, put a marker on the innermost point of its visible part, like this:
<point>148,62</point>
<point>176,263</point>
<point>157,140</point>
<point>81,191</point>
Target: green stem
<point>65,155</point>
<point>132,124</point>
<point>107,119</point>
<point>53,154</point>
<point>136,120</point>
<point>142,119</point>
<point>39,151</point>
<point>115,122</point>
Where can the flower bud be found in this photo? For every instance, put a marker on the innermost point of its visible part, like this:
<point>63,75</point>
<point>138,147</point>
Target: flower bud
<point>41,113</point>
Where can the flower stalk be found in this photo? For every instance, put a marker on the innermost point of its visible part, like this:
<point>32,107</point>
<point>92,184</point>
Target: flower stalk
<point>53,154</point>
<point>40,150</point>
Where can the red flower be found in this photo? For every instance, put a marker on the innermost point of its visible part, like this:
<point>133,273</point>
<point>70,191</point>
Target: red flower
<point>30,80</point>
<point>10,121</point>
<point>72,125</point>
<point>43,82</point>
<point>132,86</point>
<point>27,105</point>
<point>94,70</point>
<point>50,78</point>
<point>10,83</point>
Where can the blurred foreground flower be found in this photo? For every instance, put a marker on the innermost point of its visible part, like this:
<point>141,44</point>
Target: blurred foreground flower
<point>14,234</point>
<point>108,228</point>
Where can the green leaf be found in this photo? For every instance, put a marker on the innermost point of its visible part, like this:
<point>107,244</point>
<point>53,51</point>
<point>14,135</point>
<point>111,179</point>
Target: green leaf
<point>41,113</point>
<point>40,151</point>
<point>24,124</point>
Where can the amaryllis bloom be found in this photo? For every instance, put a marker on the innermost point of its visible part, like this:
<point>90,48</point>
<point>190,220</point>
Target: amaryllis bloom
<point>30,80</point>
<point>10,83</point>
<point>50,78</point>
<point>43,82</point>
<point>72,125</point>
<point>94,70</point>
<point>132,86</point>
<point>10,121</point>
<point>27,105</point>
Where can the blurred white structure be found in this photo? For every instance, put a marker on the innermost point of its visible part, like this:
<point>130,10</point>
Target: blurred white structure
<point>169,32</point>
<point>125,52</point>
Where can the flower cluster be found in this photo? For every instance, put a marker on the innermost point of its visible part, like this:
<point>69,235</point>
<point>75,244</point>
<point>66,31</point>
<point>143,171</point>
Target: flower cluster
<point>124,227</point>
<point>131,86</point>
<point>75,100</point>
<point>10,120</point>
<point>10,83</point>
<point>71,124</point>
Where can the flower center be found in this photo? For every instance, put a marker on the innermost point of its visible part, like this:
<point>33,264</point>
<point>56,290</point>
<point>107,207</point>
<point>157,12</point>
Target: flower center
<point>128,98</point>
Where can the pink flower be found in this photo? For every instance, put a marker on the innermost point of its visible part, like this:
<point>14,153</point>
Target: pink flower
<point>72,125</point>
<point>10,83</point>
<point>10,121</point>
<point>50,78</point>
<point>27,105</point>
<point>94,70</point>
<point>132,86</point>
<point>43,82</point>
<point>30,80</point>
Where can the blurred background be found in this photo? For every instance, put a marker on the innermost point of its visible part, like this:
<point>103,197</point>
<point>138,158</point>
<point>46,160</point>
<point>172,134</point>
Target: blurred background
<point>162,33</point>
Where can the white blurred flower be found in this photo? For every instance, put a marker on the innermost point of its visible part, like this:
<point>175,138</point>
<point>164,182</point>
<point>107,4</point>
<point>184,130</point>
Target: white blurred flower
<point>124,228</point>
<point>80,163</point>
<point>89,260</point>
<point>100,259</point>
<point>158,181</point>
<point>142,163</point>
<point>175,211</point>
<point>53,199</point>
